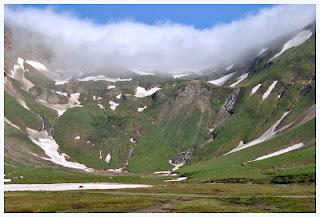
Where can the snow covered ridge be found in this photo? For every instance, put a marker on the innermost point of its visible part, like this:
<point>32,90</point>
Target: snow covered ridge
<point>280,152</point>
<point>142,92</point>
<point>50,148</point>
<point>70,186</point>
<point>255,89</point>
<point>267,135</point>
<point>239,79</point>
<point>222,80</point>
<point>103,78</point>
<point>299,39</point>
<point>270,88</point>
<point>38,66</point>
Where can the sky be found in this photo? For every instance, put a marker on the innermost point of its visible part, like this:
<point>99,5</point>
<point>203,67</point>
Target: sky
<point>199,16</point>
<point>162,38</point>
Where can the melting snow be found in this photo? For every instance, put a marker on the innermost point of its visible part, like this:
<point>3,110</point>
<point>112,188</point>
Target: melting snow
<point>113,105</point>
<point>38,66</point>
<point>103,78</point>
<point>280,152</point>
<point>239,79</point>
<point>229,67</point>
<point>262,51</point>
<point>142,92</point>
<point>270,88</point>
<point>222,80</point>
<point>255,89</point>
<point>142,109</point>
<point>70,186</point>
<point>269,134</point>
<point>50,147</point>
<point>299,39</point>
<point>108,158</point>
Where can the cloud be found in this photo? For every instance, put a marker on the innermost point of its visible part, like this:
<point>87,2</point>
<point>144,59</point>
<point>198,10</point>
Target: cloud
<point>165,46</point>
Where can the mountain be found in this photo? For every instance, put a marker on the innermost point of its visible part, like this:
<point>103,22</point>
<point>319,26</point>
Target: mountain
<point>252,121</point>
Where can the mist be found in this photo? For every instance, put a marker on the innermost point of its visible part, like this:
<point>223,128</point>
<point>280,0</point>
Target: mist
<point>167,47</point>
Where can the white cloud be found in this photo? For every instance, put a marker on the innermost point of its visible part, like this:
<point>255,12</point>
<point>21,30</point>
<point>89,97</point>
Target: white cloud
<point>166,47</point>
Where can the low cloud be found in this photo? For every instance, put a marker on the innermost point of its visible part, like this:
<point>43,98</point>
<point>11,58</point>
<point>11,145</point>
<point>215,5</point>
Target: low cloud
<point>166,46</point>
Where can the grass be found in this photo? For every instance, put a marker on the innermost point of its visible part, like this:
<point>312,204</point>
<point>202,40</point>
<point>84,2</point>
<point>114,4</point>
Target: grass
<point>170,198</point>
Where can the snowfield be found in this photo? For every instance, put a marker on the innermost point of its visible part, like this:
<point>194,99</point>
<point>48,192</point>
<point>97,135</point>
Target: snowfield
<point>280,152</point>
<point>239,79</point>
<point>255,89</point>
<point>70,186</point>
<point>103,78</point>
<point>38,66</point>
<point>299,39</point>
<point>222,80</point>
<point>267,135</point>
<point>270,88</point>
<point>141,92</point>
<point>50,148</point>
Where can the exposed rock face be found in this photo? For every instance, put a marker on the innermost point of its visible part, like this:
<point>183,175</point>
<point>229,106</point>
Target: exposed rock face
<point>230,102</point>
<point>183,156</point>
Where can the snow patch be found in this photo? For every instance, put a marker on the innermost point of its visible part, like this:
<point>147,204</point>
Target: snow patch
<point>270,88</point>
<point>142,109</point>
<point>50,148</point>
<point>132,140</point>
<point>77,137</point>
<point>118,96</point>
<point>113,105</point>
<point>10,123</point>
<point>229,67</point>
<point>100,154</point>
<point>70,186</point>
<point>38,66</point>
<point>18,72</point>
<point>177,180</point>
<point>180,75</point>
<point>61,82</point>
<point>142,92</point>
<point>267,135</point>
<point>222,80</point>
<point>100,106</point>
<point>262,51</point>
<point>108,158</point>
<point>280,152</point>
<point>239,79</point>
<point>176,166</point>
<point>118,170</point>
<point>62,93</point>
<point>299,39</point>
<point>103,78</point>
<point>255,89</point>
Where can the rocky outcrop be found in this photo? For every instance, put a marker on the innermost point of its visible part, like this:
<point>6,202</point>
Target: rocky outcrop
<point>182,157</point>
<point>231,100</point>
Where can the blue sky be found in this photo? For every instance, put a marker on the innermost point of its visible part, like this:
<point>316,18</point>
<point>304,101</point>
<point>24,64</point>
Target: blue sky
<point>199,16</point>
